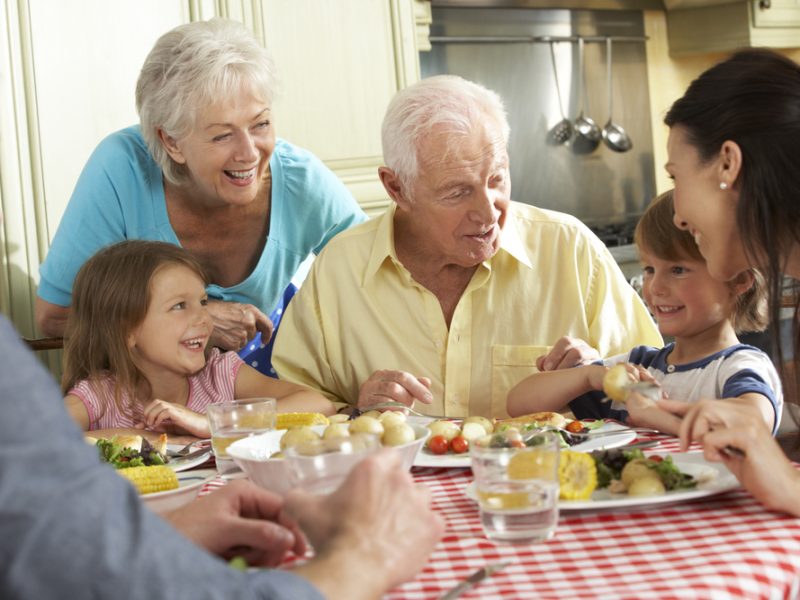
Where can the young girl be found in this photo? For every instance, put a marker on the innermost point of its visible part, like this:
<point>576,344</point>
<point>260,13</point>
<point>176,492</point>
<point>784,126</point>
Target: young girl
<point>135,355</point>
<point>706,359</point>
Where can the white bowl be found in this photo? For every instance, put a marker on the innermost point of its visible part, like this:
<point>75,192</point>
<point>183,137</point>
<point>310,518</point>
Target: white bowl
<point>189,483</point>
<point>252,454</point>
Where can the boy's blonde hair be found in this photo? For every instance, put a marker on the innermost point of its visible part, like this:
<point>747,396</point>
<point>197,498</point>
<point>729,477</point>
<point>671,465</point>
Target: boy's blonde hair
<point>656,232</point>
<point>110,298</point>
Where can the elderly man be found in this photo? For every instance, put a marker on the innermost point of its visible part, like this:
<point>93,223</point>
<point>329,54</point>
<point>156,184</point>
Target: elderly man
<point>453,294</point>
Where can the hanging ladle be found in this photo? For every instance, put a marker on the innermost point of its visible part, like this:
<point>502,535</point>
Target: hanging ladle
<point>587,133</point>
<point>614,135</point>
<point>561,132</point>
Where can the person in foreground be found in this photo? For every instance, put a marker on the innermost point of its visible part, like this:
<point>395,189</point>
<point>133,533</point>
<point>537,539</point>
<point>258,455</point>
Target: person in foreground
<point>137,337</point>
<point>452,295</point>
<point>733,146</point>
<point>72,528</point>
<point>203,170</point>
<point>706,359</point>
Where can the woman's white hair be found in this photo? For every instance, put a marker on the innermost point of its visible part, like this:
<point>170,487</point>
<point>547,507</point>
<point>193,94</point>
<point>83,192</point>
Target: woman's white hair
<point>443,102</point>
<point>191,67</point>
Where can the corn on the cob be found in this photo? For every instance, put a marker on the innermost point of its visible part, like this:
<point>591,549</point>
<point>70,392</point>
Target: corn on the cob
<point>148,480</point>
<point>300,419</point>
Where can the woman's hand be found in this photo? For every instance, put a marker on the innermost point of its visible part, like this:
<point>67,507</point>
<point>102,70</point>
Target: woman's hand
<point>235,324</point>
<point>394,386</point>
<point>707,415</point>
<point>163,416</point>
<point>566,353</point>
<point>240,519</point>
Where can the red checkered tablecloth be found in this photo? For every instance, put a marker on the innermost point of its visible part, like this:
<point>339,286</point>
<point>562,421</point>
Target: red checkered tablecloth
<point>724,546</point>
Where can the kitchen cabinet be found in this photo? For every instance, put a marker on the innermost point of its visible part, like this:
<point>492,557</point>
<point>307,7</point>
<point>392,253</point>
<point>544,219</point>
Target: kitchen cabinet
<point>68,71</point>
<point>725,27</point>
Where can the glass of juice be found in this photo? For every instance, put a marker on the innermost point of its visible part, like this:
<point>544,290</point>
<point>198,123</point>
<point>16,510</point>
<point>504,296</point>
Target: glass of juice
<point>232,421</point>
<point>517,489</point>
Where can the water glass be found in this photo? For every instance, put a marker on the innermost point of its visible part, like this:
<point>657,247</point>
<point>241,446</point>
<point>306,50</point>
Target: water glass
<point>320,466</point>
<point>235,420</point>
<point>517,489</point>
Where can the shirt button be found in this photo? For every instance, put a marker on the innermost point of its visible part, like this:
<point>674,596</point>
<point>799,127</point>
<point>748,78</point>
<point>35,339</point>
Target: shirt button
<point>670,368</point>
<point>438,345</point>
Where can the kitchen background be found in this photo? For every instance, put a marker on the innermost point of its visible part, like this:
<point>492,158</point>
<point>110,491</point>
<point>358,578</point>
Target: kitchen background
<point>68,70</point>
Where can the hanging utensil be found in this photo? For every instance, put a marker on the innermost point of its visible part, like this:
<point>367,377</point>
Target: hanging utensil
<point>587,133</point>
<point>562,131</point>
<point>614,135</point>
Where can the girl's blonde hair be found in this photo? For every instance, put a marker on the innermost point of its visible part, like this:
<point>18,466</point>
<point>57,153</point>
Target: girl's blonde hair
<point>656,232</point>
<point>110,298</point>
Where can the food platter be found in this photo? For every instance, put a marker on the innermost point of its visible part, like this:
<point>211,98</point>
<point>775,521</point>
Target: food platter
<point>180,464</point>
<point>189,484</point>
<point>717,480</point>
<point>428,459</point>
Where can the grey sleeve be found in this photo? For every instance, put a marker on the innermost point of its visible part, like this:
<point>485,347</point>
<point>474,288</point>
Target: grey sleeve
<point>72,528</point>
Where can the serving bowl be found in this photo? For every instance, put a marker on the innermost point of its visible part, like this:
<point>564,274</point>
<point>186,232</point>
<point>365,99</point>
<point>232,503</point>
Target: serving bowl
<point>252,454</point>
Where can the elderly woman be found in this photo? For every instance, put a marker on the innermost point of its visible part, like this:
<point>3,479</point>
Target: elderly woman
<point>204,170</point>
<point>733,152</point>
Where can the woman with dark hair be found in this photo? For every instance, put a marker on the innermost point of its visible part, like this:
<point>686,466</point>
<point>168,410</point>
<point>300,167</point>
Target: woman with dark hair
<point>733,152</point>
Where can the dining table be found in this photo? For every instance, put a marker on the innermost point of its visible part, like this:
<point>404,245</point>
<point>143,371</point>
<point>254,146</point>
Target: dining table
<point>724,545</point>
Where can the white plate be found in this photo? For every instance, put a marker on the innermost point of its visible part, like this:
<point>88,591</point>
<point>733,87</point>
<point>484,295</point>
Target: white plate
<point>427,459</point>
<point>181,464</point>
<point>721,480</point>
<point>189,484</point>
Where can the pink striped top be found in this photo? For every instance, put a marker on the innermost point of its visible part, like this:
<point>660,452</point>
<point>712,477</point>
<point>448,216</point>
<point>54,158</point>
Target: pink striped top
<point>212,385</point>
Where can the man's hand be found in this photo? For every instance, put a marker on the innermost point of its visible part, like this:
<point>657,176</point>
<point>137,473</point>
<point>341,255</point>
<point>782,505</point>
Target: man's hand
<point>378,522</point>
<point>235,324</point>
<point>240,519</point>
<point>567,353</point>
<point>396,386</point>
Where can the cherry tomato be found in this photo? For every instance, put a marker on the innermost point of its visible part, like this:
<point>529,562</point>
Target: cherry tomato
<point>516,444</point>
<point>656,458</point>
<point>438,444</point>
<point>574,427</point>
<point>459,444</point>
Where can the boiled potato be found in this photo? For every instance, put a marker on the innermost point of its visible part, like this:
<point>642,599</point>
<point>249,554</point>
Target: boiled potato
<point>399,434</point>
<point>338,418</point>
<point>634,470</point>
<point>647,486</point>
<point>298,435</point>
<point>336,430</point>
<point>375,414</point>
<point>472,431</point>
<point>616,382</point>
<point>487,425</point>
<point>366,424</point>
<point>448,429</point>
<point>391,418</point>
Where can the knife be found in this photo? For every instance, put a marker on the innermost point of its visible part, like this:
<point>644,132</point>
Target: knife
<point>473,580</point>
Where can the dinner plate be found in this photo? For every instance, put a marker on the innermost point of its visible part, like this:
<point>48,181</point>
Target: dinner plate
<point>189,483</point>
<point>179,464</point>
<point>716,480</point>
<point>625,436</point>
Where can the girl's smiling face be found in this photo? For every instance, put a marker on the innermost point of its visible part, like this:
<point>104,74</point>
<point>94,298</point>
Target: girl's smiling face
<point>176,328</point>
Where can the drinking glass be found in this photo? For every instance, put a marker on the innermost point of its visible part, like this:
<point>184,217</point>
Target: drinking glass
<point>517,489</point>
<point>320,466</point>
<point>235,420</point>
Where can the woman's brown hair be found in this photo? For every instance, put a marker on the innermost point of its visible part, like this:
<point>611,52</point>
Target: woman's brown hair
<point>656,232</point>
<point>110,298</point>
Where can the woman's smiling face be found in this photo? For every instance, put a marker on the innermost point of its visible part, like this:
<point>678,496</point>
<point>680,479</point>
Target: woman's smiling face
<point>705,210</point>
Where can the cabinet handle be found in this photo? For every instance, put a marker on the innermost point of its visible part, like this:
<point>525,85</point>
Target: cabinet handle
<point>764,4</point>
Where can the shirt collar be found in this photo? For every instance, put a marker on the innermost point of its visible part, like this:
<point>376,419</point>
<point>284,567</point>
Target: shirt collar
<point>383,246</point>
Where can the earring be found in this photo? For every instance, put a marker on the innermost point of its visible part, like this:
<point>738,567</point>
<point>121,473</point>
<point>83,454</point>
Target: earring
<point>723,185</point>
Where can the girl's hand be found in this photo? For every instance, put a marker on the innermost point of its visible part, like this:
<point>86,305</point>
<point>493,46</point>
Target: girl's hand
<point>235,324</point>
<point>168,417</point>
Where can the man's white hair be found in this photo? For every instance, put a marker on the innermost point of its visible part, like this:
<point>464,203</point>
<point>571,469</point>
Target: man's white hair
<point>443,102</point>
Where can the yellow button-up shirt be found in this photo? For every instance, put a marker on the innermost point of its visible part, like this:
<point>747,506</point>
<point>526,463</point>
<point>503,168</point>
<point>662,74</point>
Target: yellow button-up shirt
<point>360,311</point>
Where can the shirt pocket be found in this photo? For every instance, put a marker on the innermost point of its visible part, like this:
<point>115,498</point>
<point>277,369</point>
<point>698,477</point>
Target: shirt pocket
<point>510,365</point>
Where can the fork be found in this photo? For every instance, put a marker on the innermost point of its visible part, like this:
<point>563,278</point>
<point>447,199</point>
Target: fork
<point>577,437</point>
<point>393,404</point>
<point>186,449</point>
